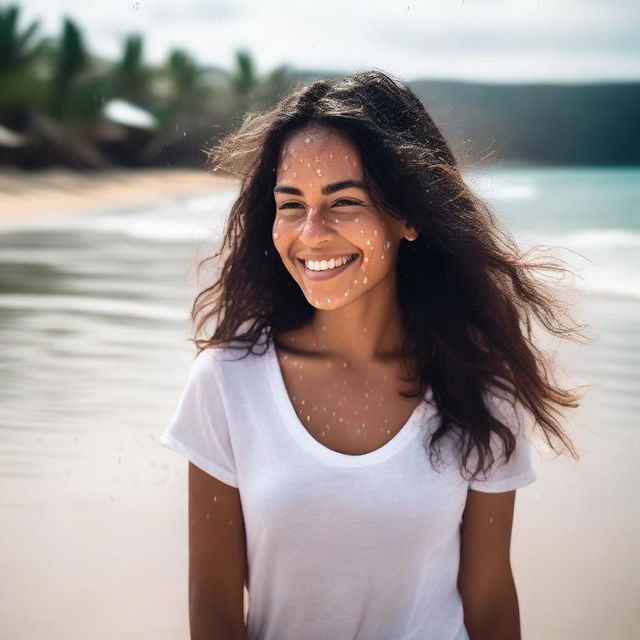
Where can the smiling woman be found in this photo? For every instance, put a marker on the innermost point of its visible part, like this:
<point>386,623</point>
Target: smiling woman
<point>361,412</point>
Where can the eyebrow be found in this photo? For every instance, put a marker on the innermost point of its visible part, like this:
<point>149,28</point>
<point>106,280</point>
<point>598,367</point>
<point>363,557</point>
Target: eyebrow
<point>326,190</point>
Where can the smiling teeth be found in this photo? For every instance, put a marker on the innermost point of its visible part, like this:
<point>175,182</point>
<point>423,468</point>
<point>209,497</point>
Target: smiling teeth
<point>325,265</point>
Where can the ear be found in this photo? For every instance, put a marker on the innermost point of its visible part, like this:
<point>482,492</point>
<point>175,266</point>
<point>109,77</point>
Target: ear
<point>410,233</point>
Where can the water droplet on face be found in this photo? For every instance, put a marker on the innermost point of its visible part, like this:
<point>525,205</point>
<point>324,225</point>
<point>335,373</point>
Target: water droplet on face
<point>337,221</point>
<point>329,300</point>
<point>319,172</point>
<point>276,235</point>
<point>387,244</point>
<point>317,303</point>
<point>368,243</point>
<point>295,174</point>
<point>308,164</point>
<point>331,156</point>
<point>307,140</point>
<point>355,282</point>
<point>364,281</point>
<point>375,231</point>
<point>366,259</point>
<point>286,167</point>
<point>357,220</point>
<point>346,293</point>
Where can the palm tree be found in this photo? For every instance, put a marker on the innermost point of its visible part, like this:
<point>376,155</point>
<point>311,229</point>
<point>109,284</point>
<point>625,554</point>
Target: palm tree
<point>21,86</point>
<point>130,75</point>
<point>18,49</point>
<point>78,92</point>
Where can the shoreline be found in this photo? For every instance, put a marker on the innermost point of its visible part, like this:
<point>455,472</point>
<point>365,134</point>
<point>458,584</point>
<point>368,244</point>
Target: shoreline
<point>31,196</point>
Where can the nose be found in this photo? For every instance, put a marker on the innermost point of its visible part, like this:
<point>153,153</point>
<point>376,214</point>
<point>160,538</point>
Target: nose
<point>314,229</point>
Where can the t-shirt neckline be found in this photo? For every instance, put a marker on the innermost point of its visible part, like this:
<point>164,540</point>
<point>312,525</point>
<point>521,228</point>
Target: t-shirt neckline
<point>408,431</point>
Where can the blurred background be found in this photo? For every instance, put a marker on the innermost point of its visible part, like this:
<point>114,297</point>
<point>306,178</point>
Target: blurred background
<point>105,208</point>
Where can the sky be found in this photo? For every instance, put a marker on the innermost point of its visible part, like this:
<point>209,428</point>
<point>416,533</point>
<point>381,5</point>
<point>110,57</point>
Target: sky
<point>473,40</point>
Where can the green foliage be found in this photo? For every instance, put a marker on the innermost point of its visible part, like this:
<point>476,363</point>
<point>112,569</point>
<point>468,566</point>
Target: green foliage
<point>130,77</point>
<point>61,80</point>
<point>72,57</point>
<point>244,77</point>
<point>18,49</point>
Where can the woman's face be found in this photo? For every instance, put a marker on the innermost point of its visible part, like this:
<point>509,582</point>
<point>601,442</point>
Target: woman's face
<point>331,239</point>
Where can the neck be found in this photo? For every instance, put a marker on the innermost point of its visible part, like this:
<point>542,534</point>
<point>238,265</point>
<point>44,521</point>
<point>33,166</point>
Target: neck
<point>367,330</point>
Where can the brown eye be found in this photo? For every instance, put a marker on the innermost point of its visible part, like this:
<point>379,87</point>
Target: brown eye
<point>289,205</point>
<point>347,202</point>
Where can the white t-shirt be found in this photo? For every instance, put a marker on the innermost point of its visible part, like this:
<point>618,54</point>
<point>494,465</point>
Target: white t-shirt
<point>339,546</point>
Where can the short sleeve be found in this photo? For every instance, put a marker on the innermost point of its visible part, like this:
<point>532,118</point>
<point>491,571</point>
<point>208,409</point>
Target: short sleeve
<point>199,428</point>
<point>519,471</point>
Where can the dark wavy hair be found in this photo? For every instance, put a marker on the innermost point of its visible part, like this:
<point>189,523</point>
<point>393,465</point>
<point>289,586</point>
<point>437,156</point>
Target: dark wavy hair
<point>470,299</point>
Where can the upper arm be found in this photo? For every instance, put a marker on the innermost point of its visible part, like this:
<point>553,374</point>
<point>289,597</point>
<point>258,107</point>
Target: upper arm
<point>485,567</point>
<point>217,553</point>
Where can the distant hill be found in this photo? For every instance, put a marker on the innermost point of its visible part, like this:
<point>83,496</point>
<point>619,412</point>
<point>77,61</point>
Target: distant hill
<point>590,124</point>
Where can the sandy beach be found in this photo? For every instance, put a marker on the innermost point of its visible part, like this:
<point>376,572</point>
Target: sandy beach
<point>94,509</point>
<point>26,196</point>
